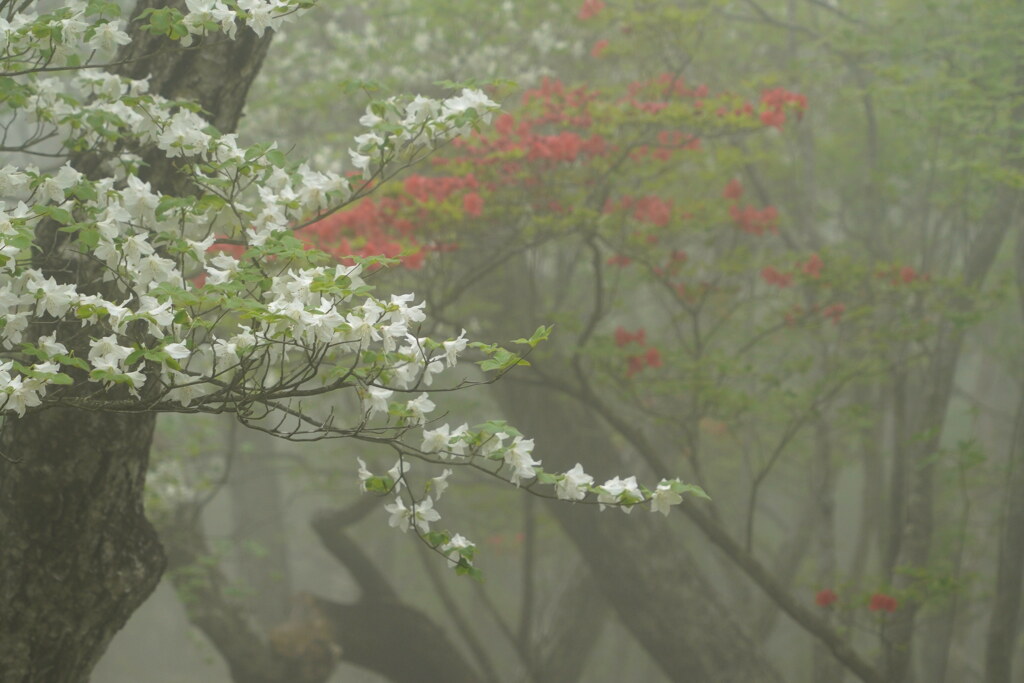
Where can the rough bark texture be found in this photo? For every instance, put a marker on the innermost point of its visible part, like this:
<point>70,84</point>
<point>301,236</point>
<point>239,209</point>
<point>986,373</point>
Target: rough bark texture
<point>79,556</point>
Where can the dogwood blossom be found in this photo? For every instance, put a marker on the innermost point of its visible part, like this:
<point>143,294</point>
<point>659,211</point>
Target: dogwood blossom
<point>518,457</point>
<point>663,498</point>
<point>573,484</point>
<point>618,490</point>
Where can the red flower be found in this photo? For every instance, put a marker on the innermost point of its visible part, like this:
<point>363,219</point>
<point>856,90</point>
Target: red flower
<point>733,189</point>
<point>773,117</point>
<point>473,204</point>
<point>624,336</point>
<point>653,358</point>
<point>835,312</point>
<point>636,364</point>
<point>652,209</point>
<point>826,597</point>
<point>813,266</point>
<point>619,260</point>
<point>908,274</point>
<point>774,277</point>
<point>882,602</point>
<point>599,48</point>
<point>591,8</point>
<point>414,261</point>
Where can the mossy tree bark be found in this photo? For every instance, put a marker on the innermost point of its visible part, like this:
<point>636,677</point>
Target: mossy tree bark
<point>79,555</point>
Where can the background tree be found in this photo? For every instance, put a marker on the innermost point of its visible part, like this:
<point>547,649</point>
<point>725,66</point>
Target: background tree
<point>120,302</point>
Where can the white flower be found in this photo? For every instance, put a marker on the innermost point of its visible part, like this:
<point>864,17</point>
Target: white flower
<point>361,162</point>
<point>56,299</point>
<point>21,395</point>
<point>453,348</point>
<point>424,513</point>
<point>419,407</point>
<point>177,351</point>
<point>519,459</point>
<point>399,515</point>
<point>405,313</point>
<point>439,483</point>
<point>623,491</point>
<point>435,439</point>
<point>663,498</point>
<point>107,37</point>
<point>50,346</point>
<point>158,315</point>
<point>493,444</point>
<point>421,515</point>
<point>377,398</point>
<point>452,548</point>
<point>457,445</point>
<point>107,350</point>
<point>469,99</point>
<point>364,474</point>
<point>573,484</point>
<point>397,471</point>
<point>369,119</point>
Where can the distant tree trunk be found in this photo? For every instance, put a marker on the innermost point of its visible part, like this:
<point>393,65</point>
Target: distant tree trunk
<point>825,666</point>
<point>1004,622</point>
<point>259,525</point>
<point>78,554</point>
<point>642,565</point>
<point>564,643</point>
<point>936,387</point>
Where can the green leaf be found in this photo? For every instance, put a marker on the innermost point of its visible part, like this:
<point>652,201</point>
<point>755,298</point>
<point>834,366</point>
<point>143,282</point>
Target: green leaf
<point>547,478</point>
<point>541,334</point>
<point>436,538</point>
<point>381,484</point>
<point>679,487</point>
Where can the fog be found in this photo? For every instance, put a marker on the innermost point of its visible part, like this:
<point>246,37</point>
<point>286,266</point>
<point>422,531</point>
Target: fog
<point>779,247</point>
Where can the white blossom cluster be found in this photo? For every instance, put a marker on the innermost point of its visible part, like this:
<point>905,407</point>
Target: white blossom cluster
<point>208,302</point>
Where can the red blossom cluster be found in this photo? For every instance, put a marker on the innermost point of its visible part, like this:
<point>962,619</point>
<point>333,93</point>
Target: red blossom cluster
<point>651,357</point>
<point>551,130</point>
<point>880,602</point>
<point>812,266</point>
<point>774,277</point>
<point>901,275</point>
<point>384,226</point>
<point>826,597</point>
<point>774,104</point>
<point>755,221</point>
<point>750,219</point>
<point>590,9</point>
<point>834,312</point>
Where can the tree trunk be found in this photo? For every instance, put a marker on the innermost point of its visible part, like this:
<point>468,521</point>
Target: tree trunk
<point>258,515</point>
<point>79,556</point>
<point>1004,622</point>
